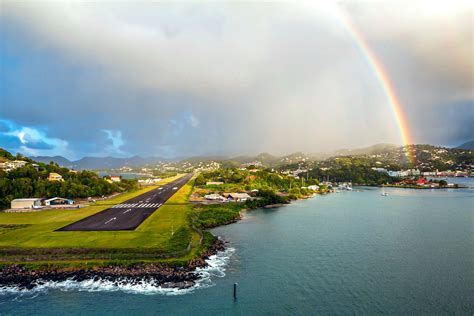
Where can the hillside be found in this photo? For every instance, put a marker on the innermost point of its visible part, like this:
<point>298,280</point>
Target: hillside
<point>427,157</point>
<point>60,160</point>
<point>99,163</point>
<point>467,145</point>
<point>30,179</point>
<point>371,150</point>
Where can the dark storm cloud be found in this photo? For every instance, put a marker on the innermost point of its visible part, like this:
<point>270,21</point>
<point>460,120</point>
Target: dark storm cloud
<point>182,79</point>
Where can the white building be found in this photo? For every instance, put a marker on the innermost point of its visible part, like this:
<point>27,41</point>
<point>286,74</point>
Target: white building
<point>58,201</point>
<point>381,170</point>
<point>404,173</point>
<point>214,197</point>
<point>116,178</point>
<point>26,203</point>
<point>12,164</point>
<point>237,197</point>
<point>149,181</point>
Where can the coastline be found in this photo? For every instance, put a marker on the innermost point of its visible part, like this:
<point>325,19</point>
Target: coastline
<point>423,188</point>
<point>162,275</point>
<point>157,274</point>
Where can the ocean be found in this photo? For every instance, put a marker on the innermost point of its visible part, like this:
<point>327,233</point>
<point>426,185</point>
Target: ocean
<point>411,252</point>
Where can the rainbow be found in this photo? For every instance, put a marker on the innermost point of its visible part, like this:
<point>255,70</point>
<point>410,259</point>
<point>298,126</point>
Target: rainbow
<point>387,85</point>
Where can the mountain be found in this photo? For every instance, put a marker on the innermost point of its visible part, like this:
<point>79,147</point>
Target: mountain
<point>467,145</point>
<point>99,163</point>
<point>60,160</point>
<point>427,157</point>
<point>371,150</point>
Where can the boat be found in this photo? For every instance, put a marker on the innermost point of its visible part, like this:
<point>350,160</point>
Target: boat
<point>384,194</point>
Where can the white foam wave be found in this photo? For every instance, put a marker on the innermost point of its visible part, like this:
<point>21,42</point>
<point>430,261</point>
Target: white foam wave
<point>216,268</point>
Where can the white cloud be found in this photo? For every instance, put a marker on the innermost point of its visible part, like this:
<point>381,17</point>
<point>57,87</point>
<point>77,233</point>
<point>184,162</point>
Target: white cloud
<point>116,142</point>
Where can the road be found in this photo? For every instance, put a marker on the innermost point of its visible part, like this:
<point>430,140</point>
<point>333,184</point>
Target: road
<point>130,214</point>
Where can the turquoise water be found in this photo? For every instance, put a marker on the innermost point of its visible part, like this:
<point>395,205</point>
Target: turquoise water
<point>352,252</point>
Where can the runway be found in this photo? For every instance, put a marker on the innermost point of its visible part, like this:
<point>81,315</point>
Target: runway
<point>130,214</point>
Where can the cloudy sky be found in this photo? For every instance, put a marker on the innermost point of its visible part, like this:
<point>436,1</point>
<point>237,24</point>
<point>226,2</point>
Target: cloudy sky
<point>98,78</point>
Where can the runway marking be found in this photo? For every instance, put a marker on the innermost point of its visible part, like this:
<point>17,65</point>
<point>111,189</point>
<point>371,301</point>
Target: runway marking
<point>112,219</point>
<point>127,211</point>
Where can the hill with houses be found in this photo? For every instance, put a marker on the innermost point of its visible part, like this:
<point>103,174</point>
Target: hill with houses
<point>22,177</point>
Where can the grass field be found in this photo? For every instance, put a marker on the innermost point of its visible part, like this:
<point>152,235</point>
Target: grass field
<point>32,236</point>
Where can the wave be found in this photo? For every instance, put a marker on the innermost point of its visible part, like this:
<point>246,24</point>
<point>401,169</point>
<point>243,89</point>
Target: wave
<point>216,267</point>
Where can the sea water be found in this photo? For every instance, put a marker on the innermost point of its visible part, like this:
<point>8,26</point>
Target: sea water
<point>410,252</point>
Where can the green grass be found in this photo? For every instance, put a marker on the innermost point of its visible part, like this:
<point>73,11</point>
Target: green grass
<point>152,240</point>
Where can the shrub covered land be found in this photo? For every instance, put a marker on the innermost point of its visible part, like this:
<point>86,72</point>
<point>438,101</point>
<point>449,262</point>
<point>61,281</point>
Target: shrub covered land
<point>32,181</point>
<point>266,187</point>
<point>357,170</point>
<point>167,236</point>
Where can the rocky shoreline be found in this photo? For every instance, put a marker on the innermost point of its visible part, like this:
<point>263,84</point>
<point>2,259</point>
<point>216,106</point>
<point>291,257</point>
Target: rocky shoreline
<point>156,274</point>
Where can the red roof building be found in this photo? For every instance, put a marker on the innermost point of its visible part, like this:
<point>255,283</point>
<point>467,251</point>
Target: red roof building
<point>422,181</point>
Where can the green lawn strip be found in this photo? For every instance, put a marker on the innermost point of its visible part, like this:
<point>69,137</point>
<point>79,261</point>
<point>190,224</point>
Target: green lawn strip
<point>154,233</point>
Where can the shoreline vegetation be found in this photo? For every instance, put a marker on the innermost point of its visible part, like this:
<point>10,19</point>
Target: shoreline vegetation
<point>165,249</point>
<point>31,252</point>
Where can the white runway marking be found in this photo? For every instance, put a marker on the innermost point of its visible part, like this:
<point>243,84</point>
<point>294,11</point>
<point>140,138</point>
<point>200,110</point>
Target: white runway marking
<point>127,211</point>
<point>112,219</point>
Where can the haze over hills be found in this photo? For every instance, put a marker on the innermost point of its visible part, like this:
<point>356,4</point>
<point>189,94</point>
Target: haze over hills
<point>371,150</point>
<point>97,163</point>
<point>467,145</point>
<point>386,152</point>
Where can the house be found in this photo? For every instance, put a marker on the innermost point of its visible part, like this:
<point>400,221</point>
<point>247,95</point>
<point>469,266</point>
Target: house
<point>53,176</point>
<point>237,197</point>
<point>115,178</point>
<point>10,165</point>
<point>58,201</point>
<point>214,197</point>
<point>422,181</point>
<point>313,187</point>
<point>214,183</point>
<point>149,181</point>
<point>17,164</point>
<point>26,203</point>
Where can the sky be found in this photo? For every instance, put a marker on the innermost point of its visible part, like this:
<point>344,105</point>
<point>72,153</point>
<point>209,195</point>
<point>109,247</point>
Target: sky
<point>123,78</point>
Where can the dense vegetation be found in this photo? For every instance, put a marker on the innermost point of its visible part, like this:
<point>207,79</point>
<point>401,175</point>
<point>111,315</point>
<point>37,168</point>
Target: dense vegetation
<point>207,216</point>
<point>29,181</point>
<point>266,187</point>
<point>241,180</point>
<point>166,236</point>
<point>357,170</point>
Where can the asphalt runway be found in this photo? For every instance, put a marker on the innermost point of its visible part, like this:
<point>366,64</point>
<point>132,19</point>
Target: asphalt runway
<point>130,214</point>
